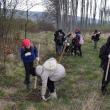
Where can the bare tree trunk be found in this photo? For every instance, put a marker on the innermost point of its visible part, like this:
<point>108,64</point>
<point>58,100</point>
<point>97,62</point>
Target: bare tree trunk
<point>82,12</point>
<point>87,10</point>
<point>76,11</point>
<point>105,6</point>
<point>94,13</point>
<point>26,24</point>
<point>91,1</point>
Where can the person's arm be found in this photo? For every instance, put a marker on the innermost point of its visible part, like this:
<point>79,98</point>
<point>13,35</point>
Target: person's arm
<point>55,35</point>
<point>63,33</point>
<point>55,38</point>
<point>94,34</point>
<point>21,53</point>
<point>36,52</point>
<point>99,32</point>
<point>64,38</point>
<point>44,78</point>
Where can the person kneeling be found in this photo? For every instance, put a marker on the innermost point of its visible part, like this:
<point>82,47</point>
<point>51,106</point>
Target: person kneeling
<point>50,72</point>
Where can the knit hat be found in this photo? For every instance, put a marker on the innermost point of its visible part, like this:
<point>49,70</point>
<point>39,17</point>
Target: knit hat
<point>26,43</point>
<point>77,30</point>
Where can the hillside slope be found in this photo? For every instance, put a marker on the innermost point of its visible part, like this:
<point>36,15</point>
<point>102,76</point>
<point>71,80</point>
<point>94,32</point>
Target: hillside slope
<point>80,90</point>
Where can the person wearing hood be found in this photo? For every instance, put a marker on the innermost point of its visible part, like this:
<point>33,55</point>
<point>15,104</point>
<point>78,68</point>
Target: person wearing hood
<point>28,54</point>
<point>59,38</point>
<point>104,55</point>
<point>96,38</point>
<point>50,72</point>
<point>76,42</point>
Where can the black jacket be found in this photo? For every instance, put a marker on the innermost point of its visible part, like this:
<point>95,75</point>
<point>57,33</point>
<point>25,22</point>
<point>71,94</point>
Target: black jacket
<point>59,39</point>
<point>96,36</point>
<point>103,55</point>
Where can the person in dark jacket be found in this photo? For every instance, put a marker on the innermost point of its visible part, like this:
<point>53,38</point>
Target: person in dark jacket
<point>59,38</point>
<point>95,38</point>
<point>28,54</point>
<point>104,55</point>
<point>76,43</point>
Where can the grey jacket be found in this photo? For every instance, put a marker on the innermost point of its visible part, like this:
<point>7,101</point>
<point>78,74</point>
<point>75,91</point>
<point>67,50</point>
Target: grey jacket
<point>54,75</point>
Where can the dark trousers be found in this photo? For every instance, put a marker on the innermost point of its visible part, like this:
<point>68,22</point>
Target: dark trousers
<point>95,44</point>
<point>105,83</point>
<point>59,49</point>
<point>68,49</point>
<point>29,70</point>
<point>50,85</point>
<point>77,49</point>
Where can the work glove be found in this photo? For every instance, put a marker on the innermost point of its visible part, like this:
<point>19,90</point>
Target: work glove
<point>109,56</point>
<point>43,98</point>
<point>68,44</point>
<point>65,41</point>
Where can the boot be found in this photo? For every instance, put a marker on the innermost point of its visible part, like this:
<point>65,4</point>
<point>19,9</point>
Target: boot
<point>104,90</point>
<point>53,95</point>
<point>28,87</point>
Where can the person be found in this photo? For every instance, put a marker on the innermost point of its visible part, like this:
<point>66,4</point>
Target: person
<point>76,42</point>
<point>68,41</point>
<point>95,37</point>
<point>50,72</point>
<point>28,54</point>
<point>59,38</point>
<point>104,55</point>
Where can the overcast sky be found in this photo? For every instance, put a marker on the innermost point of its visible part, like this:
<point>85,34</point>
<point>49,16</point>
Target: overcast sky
<point>39,7</point>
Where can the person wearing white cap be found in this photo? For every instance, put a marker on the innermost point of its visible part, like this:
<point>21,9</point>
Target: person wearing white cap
<point>50,72</point>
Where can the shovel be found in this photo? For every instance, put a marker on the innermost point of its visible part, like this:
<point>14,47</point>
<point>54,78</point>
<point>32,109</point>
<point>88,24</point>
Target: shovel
<point>61,56</point>
<point>35,83</point>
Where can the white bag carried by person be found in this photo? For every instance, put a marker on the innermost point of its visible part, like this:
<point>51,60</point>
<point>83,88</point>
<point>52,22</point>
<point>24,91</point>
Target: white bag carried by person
<point>81,40</point>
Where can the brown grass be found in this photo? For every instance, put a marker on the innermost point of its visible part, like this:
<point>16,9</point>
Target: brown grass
<point>93,102</point>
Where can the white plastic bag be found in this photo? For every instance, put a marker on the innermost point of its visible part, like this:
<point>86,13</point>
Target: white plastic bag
<point>81,40</point>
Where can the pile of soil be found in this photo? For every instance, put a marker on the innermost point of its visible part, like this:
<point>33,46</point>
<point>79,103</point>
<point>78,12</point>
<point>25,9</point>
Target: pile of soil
<point>34,96</point>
